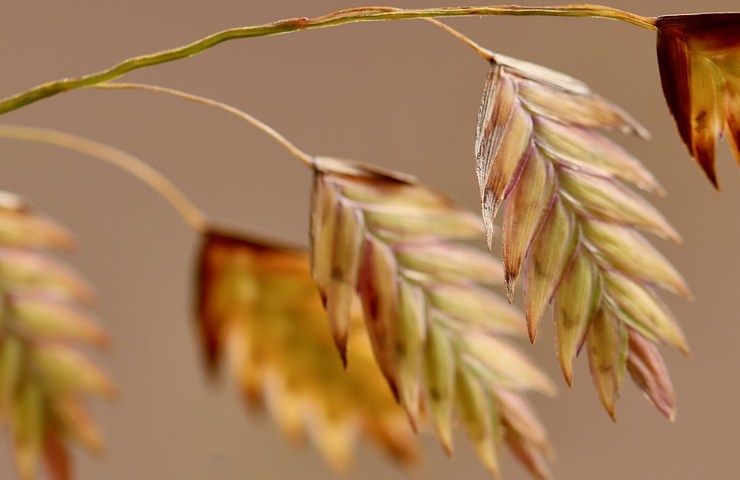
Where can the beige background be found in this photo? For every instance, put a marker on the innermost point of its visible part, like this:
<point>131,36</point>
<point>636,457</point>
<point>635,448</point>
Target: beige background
<point>397,94</point>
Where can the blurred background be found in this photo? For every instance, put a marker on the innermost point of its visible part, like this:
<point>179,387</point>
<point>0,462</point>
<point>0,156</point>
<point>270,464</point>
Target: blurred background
<point>398,94</point>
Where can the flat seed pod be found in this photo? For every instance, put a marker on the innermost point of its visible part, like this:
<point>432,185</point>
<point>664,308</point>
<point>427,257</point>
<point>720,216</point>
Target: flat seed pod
<point>423,294</point>
<point>277,337</point>
<point>567,195</point>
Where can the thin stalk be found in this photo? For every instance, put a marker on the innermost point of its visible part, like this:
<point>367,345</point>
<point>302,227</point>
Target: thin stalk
<point>354,15</point>
<point>194,217</point>
<point>302,156</point>
<point>485,53</point>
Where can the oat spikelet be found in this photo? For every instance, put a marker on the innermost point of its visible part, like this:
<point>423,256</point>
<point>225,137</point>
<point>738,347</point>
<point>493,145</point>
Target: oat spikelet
<point>699,59</point>
<point>437,331</point>
<point>571,225</point>
<point>43,379</point>
<point>259,308</point>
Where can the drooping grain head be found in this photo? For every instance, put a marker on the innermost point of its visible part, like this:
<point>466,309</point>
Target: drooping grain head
<point>436,329</point>
<point>259,309</point>
<point>570,225</point>
<point>44,380</point>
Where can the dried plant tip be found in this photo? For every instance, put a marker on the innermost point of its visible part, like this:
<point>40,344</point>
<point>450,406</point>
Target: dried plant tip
<point>40,371</point>
<point>698,56</point>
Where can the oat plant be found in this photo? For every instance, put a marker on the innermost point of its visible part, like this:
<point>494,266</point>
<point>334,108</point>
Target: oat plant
<point>396,319</point>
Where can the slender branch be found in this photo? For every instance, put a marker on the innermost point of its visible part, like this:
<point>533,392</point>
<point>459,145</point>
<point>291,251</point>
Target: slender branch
<point>304,157</point>
<point>367,14</point>
<point>138,168</point>
<point>485,53</point>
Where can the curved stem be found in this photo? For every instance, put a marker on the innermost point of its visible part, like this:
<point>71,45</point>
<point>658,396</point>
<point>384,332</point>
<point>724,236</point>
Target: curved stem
<point>304,157</point>
<point>485,53</point>
<point>366,14</point>
<point>138,168</point>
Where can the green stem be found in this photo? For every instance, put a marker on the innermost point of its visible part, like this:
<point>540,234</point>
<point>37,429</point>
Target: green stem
<point>363,14</point>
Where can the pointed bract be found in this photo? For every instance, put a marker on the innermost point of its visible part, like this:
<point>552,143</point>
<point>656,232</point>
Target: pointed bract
<point>479,418</point>
<point>629,252</point>
<point>525,210</point>
<point>606,360</point>
<point>549,255</point>
<point>502,142</point>
<point>574,306</point>
<point>641,310</point>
